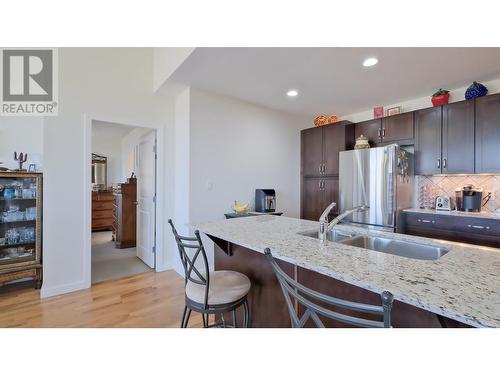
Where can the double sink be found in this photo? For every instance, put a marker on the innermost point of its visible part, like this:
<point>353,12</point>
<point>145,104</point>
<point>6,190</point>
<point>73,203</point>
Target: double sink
<point>384,245</point>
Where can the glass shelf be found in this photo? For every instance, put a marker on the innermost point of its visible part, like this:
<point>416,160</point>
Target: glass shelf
<point>18,221</point>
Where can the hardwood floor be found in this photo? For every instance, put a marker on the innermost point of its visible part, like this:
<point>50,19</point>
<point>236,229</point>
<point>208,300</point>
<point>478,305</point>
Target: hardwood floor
<point>145,300</point>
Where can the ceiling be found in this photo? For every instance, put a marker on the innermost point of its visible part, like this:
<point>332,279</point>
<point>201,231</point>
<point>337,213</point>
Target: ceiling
<point>333,80</point>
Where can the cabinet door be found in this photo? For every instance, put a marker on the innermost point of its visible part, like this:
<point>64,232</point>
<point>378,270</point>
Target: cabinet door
<point>312,198</point>
<point>397,127</point>
<point>334,141</point>
<point>488,134</point>
<point>428,141</point>
<point>370,129</point>
<point>331,194</point>
<point>458,137</point>
<point>312,151</point>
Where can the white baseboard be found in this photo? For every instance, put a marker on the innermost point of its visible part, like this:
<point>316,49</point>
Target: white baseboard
<point>63,289</point>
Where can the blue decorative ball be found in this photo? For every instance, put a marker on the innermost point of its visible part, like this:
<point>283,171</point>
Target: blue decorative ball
<point>475,90</point>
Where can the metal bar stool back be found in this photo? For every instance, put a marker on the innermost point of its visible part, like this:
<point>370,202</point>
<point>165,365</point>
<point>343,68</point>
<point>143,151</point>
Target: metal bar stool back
<point>305,297</point>
<point>198,281</point>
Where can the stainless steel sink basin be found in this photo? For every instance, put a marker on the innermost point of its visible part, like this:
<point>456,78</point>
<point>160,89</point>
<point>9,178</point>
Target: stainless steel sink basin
<point>397,247</point>
<point>333,235</point>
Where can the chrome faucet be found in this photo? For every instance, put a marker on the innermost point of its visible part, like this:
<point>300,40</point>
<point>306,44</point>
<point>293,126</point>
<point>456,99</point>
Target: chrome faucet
<point>323,222</point>
<point>325,227</point>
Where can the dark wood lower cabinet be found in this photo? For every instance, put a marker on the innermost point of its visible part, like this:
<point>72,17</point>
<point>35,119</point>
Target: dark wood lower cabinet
<point>267,304</point>
<point>317,194</point>
<point>476,231</point>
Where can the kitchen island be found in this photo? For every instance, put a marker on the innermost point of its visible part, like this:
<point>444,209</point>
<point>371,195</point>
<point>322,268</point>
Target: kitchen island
<point>461,288</point>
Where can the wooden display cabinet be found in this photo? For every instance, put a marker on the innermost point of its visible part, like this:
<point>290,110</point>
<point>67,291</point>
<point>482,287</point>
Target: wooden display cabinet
<point>20,227</point>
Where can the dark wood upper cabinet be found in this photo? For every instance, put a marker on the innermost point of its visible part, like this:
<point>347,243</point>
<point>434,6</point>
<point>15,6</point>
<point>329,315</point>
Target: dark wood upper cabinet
<point>388,129</point>
<point>370,129</point>
<point>312,151</point>
<point>428,141</point>
<point>488,134</point>
<point>336,138</point>
<point>397,127</point>
<point>458,137</point>
<point>320,148</point>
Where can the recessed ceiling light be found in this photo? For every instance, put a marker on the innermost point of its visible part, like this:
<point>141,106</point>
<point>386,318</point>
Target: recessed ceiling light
<point>370,61</point>
<point>292,93</point>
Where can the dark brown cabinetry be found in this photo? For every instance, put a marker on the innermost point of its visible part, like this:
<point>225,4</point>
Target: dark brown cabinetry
<point>488,134</point>
<point>312,151</point>
<point>320,149</point>
<point>458,138</point>
<point>370,129</point>
<point>317,193</point>
<point>479,231</point>
<point>428,141</point>
<point>102,210</point>
<point>125,215</point>
<point>397,128</point>
<point>444,139</point>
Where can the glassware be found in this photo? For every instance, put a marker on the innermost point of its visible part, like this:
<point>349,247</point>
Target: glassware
<point>30,213</point>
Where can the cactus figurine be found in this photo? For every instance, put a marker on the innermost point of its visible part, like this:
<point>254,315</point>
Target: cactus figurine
<point>21,160</point>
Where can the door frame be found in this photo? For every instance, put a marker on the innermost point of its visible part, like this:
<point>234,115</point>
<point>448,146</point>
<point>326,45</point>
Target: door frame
<point>87,183</point>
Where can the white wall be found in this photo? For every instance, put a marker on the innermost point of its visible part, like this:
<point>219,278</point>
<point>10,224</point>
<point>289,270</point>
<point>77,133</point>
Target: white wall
<point>166,62</point>
<point>423,102</point>
<point>236,147</point>
<point>108,84</point>
<point>21,134</point>
<point>107,141</point>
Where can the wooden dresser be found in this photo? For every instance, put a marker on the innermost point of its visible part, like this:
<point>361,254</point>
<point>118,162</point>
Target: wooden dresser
<point>102,210</point>
<point>125,215</point>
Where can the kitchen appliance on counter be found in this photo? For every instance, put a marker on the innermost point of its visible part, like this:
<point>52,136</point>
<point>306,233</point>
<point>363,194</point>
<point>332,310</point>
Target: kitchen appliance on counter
<point>380,178</point>
<point>443,203</point>
<point>470,198</point>
<point>265,200</point>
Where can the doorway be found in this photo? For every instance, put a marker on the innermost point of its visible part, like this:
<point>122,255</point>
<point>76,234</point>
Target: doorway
<point>123,190</point>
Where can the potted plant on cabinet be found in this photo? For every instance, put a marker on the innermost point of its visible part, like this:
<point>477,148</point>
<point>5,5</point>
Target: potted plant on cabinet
<point>440,97</point>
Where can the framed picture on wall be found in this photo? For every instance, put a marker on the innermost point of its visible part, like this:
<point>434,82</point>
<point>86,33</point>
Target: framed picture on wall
<point>394,111</point>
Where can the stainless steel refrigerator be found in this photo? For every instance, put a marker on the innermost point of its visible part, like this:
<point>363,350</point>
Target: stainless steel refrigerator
<point>381,178</point>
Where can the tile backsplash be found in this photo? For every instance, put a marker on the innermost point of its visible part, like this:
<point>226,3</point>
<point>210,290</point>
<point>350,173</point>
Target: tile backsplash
<point>429,187</point>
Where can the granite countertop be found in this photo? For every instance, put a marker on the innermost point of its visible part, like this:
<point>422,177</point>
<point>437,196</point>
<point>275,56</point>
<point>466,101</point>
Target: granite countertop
<point>463,285</point>
<point>477,215</point>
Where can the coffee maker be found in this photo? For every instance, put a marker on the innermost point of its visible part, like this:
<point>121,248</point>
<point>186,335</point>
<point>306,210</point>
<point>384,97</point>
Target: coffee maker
<point>265,200</point>
<point>470,198</point>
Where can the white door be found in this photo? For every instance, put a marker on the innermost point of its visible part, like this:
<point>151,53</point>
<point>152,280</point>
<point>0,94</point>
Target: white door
<point>146,197</point>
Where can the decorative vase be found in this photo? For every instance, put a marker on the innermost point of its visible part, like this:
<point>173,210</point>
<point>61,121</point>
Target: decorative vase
<point>475,90</point>
<point>320,120</point>
<point>440,99</point>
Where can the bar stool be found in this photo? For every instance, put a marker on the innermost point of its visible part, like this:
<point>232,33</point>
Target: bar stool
<point>294,290</point>
<point>208,293</point>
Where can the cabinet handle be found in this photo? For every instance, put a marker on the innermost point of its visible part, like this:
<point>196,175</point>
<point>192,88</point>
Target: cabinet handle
<point>439,164</point>
<point>383,132</point>
<point>320,168</point>
<point>319,184</point>
<point>426,221</point>
<point>444,162</point>
<point>478,227</point>
<point>379,133</point>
